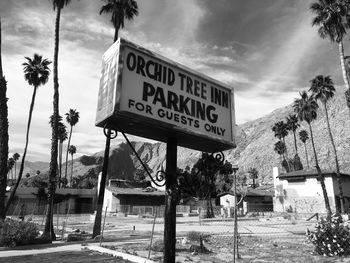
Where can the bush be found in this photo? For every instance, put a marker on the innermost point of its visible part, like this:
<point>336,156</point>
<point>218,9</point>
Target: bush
<point>157,245</point>
<point>17,233</point>
<point>195,236</point>
<point>331,237</point>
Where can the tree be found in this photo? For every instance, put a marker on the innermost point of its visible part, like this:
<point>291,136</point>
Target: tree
<point>62,136</point>
<point>323,89</point>
<point>48,233</point>
<point>293,125</point>
<point>72,118</point>
<point>10,165</point>
<point>121,10</point>
<point>280,130</point>
<point>36,73</point>
<point>304,136</point>
<point>306,110</point>
<point>280,148</point>
<point>332,18</point>
<point>15,157</point>
<point>4,138</point>
<point>253,173</point>
<point>72,150</point>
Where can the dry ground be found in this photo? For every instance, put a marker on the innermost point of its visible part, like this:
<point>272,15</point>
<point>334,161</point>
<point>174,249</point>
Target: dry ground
<point>66,257</point>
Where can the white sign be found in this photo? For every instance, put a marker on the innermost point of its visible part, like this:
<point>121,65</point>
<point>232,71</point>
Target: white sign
<point>147,95</point>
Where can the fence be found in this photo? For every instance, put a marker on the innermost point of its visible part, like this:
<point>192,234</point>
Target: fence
<point>262,234</point>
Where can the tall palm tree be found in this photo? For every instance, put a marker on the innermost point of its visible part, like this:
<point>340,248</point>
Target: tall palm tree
<point>323,89</point>
<point>48,232</point>
<point>62,136</point>
<point>253,172</point>
<point>121,10</point>
<point>304,136</point>
<point>306,110</point>
<point>36,73</point>
<point>72,150</point>
<point>280,130</point>
<point>15,157</point>
<point>4,138</point>
<point>332,19</point>
<point>72,118</point>
<point>293,125</point>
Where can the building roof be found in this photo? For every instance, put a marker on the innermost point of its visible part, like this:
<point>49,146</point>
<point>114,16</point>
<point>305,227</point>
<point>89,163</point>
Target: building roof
<point>149,191</point>
<point>262,190</point>
<point>303,174</point>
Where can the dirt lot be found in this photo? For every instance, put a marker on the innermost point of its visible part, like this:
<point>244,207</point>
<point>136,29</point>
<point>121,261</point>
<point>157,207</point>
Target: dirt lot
<point>66,257</point>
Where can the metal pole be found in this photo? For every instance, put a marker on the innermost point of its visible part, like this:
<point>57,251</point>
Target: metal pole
<point>99,207</point>
<point>170,202</point>
<point>235,168</point>
<point>103,226</point>
<point>150,245</point>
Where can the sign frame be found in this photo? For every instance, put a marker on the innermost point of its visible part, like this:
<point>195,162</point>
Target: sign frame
<point>111,114</point>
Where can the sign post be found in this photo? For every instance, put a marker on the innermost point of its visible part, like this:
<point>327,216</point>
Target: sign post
<point>147,95</point>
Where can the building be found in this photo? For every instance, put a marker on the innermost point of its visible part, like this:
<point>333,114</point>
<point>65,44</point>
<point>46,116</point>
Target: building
<point>132,198</point>
<point>301,192</point>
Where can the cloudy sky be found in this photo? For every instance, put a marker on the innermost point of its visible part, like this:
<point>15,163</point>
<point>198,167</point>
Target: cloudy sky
<point>267,50</point>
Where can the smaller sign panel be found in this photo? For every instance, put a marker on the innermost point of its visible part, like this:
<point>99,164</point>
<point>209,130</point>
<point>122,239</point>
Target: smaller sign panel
<point>147,95</point>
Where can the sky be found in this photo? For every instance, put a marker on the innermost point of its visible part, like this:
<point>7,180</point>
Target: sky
<point>266,50</point>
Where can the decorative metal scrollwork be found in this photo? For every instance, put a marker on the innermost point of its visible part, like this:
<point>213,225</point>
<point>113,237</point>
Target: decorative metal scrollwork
<point>159,179</point>
<point>113,133</point>
<point>219,156</point>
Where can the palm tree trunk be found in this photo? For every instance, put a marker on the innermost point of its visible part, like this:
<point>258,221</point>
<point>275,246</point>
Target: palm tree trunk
<point>12,195</point>
<point>4,138</point>
<point>345,76</point>
<point>295,143</point>
<point>49,233</point>
<point>341,195</point>
<point>286,154</point>
<point>70,136</point>
<point>71,173</point>
<point>307,158</point>
<point>60,163</point>
<point>116,29</point>
<point>320,175</point>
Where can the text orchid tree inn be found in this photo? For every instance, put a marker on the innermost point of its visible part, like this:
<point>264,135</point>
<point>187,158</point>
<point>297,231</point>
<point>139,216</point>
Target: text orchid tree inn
<point>147,95</point>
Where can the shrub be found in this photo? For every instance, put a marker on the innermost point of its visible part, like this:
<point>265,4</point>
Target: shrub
<point>157,245</point>
<point>17,233</point>
<point>195,236</point>
<point>331,237</point>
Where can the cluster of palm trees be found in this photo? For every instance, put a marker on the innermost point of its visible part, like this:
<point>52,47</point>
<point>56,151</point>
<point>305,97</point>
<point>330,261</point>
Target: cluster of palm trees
<point>37,74</point>
<point>306,109</point>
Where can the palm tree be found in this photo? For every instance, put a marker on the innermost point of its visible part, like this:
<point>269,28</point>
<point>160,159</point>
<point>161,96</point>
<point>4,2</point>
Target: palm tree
<point>120,9</point>
<point>62,136</point>
<point>72,150</point>
<point>253,172</point>
<point>4,138</point>
<point>15,157</point>
<point>49,233</point>
<point>36,73</point>
<point>10,164</point>
<point>332,19</point>
<point>280,130</point>
<point>304,136</point>
<point>323,89</point>
<point>72,118</point>
<point>306,110</point>
<point>280,148</point>
<point>293,125</point>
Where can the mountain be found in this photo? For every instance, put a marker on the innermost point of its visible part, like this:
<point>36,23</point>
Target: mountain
<point>255,146</point>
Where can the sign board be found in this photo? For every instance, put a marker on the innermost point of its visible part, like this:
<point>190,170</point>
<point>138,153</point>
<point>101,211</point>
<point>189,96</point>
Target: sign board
<point>147,95</point>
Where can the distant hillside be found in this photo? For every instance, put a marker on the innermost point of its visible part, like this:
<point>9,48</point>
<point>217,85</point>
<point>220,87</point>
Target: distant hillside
<point>255,143</point>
